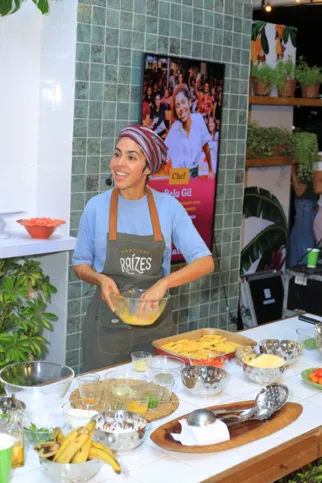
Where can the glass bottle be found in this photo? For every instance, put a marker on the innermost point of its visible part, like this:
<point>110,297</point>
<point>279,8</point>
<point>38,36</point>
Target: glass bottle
<point>11,422</point>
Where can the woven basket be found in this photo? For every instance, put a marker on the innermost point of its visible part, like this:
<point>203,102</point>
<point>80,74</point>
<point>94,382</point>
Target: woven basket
<point>261,88</point>
<point>288,89</point>
<point>311,92</point>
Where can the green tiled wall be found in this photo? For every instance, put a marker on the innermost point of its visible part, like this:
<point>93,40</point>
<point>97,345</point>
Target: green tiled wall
<point>111,36</point>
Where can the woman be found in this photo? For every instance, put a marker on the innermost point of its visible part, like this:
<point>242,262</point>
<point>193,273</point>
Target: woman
<point>213,144</point>
<point>133,221</point>
<point>302,234</point>
<point>158,117</point>
<point>166,99</point>
<point>188,138</point>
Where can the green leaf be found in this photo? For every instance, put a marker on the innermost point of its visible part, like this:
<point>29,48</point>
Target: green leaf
<point>42,5</point>
<point>50,316</point>
<point>265,43</point>
<point>293,35</point>
<point>271,239</point>
<point>286,34</point>
<point>5,7</point>
<point>260,203</point>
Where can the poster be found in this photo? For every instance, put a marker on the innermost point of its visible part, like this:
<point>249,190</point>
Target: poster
<point>182,102</point>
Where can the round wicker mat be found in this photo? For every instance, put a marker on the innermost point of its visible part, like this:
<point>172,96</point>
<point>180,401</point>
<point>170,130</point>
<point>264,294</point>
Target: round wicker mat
<point>164,409</point>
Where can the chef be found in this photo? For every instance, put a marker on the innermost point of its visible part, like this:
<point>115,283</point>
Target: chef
<point>132,221</point>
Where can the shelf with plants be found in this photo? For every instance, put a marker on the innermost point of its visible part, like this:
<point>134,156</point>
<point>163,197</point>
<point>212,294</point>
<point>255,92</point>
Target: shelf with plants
<point>272,146</point>
<point>284,101</point>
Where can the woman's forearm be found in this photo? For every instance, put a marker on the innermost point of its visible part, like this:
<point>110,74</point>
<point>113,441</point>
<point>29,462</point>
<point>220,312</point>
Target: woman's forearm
<point>194,270</point>
<point>206,150</point>
<point>86,273</point>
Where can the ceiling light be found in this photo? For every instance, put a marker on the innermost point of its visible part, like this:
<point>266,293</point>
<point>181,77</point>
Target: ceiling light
<point>297,1</point>
<point>268,7</point>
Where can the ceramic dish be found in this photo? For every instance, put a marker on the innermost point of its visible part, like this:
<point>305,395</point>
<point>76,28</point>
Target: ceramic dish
<point>305,376</point>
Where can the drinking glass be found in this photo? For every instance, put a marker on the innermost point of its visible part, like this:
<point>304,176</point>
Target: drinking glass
<point>89,389</point>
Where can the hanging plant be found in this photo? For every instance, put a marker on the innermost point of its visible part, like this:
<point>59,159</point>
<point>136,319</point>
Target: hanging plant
<point>11,6</point>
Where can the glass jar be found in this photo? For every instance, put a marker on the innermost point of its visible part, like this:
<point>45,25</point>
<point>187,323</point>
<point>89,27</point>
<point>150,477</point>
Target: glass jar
<point>11,422</point>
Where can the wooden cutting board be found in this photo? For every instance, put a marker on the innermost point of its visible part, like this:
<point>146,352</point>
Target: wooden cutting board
<point>239,434</point>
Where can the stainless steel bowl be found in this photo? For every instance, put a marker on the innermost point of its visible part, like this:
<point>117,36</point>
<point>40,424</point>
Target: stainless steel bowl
<point>38,384</point>
<point>119,430</point>
<point>262,376</point>
<point>71,473</point>
<point>287,349</point>
<point>204,381</point>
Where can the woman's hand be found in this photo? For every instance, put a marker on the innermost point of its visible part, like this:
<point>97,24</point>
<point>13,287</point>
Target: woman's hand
<point>211,175</point>
<point>108,286</point>
<point>149,299</point>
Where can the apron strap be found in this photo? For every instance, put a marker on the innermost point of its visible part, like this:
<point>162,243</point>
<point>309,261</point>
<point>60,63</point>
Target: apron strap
<point>112,234</point>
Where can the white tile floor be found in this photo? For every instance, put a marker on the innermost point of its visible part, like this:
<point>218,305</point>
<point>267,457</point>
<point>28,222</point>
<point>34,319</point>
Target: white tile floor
<point>150,463</point>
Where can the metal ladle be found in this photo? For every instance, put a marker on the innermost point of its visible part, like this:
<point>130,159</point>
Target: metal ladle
<point>269,400</point>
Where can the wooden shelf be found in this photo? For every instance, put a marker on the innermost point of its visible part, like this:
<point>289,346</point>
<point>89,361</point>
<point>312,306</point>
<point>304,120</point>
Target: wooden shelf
<point>261,162</point>
<point>284,101</point>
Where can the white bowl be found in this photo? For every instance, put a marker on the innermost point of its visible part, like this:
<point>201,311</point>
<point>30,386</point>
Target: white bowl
<point>77,417</point>
<point>174,365</point>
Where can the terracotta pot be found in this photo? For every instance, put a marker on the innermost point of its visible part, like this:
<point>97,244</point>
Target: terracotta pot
<point>261,88</point>
<point>288,89</point>
<point>311,92</point>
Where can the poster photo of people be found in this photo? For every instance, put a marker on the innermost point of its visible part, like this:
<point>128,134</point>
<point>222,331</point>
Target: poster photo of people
<point>181,102</point>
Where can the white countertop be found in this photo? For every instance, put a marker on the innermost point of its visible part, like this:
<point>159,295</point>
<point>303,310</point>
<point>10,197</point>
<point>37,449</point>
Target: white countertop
<point>22,245</point>
<point>149,463</point>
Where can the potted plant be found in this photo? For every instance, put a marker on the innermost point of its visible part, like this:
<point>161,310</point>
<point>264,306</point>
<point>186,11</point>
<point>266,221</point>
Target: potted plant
<point>263,79</point>
<point>305,153</point>
<point>25,292</point>
<point>309,78</point>
<point>285,78</point>
<point>266,142</point>
<point>11,6</point>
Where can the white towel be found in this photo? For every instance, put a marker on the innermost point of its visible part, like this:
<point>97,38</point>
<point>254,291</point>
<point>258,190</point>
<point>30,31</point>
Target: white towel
<point>214,433</point>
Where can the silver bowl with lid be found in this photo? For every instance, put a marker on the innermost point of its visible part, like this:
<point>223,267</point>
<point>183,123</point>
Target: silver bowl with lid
<point>204,381</point>
<point>120,430</point>
<point>287,349</point>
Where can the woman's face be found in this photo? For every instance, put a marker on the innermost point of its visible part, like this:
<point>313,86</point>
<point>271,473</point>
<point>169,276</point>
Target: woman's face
<point>157,100</point>
<point>211,125</point>
<point>180,78</point>
<point>182,107</point>
<point>149,91</point>
<point>212,91</point>
<point>127,165</point>
<point>206,88</point>
<point>166,93</point>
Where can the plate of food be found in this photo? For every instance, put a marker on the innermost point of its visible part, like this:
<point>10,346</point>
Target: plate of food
<point>198,344</point>
<point>313,377</point>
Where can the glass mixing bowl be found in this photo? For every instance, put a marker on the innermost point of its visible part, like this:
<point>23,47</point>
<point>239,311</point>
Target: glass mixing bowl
<point>132,310</point>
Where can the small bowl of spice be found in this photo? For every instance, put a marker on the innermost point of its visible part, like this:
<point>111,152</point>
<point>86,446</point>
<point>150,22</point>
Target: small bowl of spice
<point>166,381</point>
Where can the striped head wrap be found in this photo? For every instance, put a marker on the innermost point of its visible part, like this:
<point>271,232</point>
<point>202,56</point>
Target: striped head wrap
<point>154,149</point>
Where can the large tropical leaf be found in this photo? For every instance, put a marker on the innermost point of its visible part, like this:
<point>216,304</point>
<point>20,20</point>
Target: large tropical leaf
<point>256,28</point>
<point>262,203</point>
<point>273,238</point>
<point>6,6</point>
<point>265,43</point>
<point>293,35</point>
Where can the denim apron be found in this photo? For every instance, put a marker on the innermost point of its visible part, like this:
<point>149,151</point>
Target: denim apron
<point>131,261</point>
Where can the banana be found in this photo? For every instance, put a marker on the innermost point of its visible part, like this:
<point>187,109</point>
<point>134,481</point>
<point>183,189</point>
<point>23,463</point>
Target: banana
<point>102,447</point>
<point>98,454</point>
<point>82,454</point>
<point>47,450</point>
<point>58,435</point>
<point>71,444</point>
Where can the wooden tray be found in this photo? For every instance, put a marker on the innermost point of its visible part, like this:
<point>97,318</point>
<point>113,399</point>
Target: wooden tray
<point>164,409</point>
<point>239,434</point>
<point>196,334</point>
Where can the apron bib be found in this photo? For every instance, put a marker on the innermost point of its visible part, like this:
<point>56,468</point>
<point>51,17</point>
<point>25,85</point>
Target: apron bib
<point>131,261</point>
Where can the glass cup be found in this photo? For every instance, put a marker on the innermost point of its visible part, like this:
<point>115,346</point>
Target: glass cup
<point>138,403</point>
<point>155,396</point>
<point>89,389</point>
<point>140,360</point>
<point>312,257</point>
<point>166,382</point>
<point>306,338</point>
<point>6,449</point>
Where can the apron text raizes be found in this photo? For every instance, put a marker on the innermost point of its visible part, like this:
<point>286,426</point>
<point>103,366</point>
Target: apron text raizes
<point>135,264</point>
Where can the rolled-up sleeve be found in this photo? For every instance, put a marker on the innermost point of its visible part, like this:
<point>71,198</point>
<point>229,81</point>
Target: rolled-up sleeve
<point>185,236</point>
<point>84,250</point>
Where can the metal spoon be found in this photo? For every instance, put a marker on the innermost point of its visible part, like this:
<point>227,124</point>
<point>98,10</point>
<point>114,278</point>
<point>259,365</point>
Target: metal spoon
<point>270,399</point>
